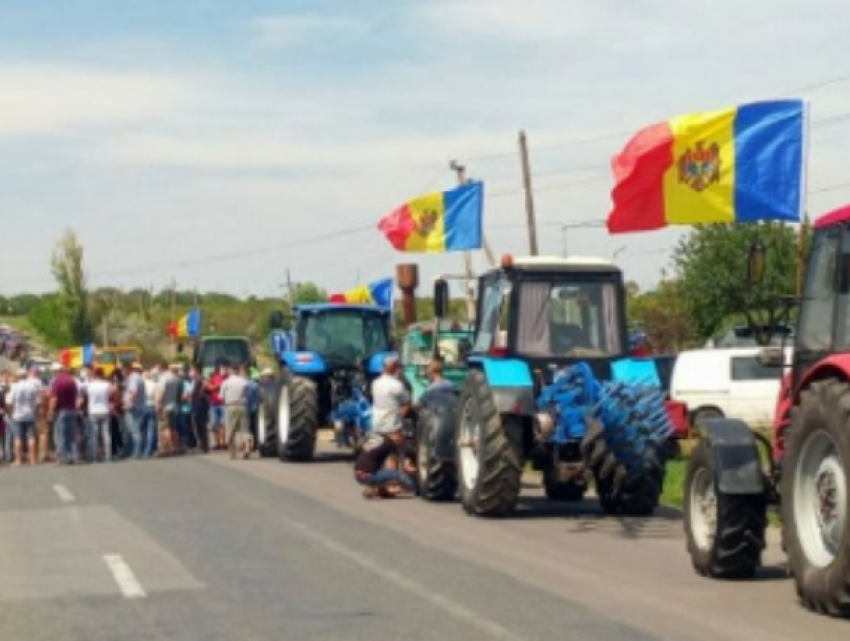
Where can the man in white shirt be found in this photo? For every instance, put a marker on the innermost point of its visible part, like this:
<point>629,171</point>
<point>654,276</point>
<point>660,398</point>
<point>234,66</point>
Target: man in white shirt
<point>390,399</point>
<point>25,397</point>
<point>98,392</point>
<point>234,395</point>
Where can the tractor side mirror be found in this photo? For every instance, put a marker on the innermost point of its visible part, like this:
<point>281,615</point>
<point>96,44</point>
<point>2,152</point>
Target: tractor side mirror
<point>441,298</point>
<point>276,320</point>
<point>771,357</point>
<point>756,263</point>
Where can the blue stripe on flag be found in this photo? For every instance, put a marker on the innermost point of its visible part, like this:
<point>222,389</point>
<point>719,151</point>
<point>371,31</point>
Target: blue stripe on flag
<point>463,216</point>
<point>382,293</point>
<point>769,148</point>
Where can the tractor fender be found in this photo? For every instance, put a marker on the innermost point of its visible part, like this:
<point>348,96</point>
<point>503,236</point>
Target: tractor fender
<point>304,363</point>
<point>443,407</point>
<point>510,381</point>
<point>736,456</point>
<point>375,363</point>
<point>835,366</point>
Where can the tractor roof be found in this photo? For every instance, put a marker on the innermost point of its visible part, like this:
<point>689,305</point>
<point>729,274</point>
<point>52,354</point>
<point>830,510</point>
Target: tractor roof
<point>335,307</point>
<point>556,263</point>
<point>836,217</point>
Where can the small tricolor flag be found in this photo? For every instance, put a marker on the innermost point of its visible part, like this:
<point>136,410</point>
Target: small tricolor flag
<point>439,222</point>
<point>188,326</point>
<point>741,164</point>
<point>77,357</point>
<point>379,293</point>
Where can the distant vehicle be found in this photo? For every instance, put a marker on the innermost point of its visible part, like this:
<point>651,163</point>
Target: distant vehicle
<point>448,340</point>
<point>210,350</point>
<point>111,358</point>
<point>716,383</point>
<point>745,336</point>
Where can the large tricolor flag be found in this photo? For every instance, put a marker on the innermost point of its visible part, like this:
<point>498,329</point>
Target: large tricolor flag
<point>379,293</point>
<point>737,165</point>
<point>436,223</point>
<point>77,357</point>
<point>188,326</point>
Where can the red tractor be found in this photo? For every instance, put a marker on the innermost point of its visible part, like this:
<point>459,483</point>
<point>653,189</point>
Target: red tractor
<point>806,469</point>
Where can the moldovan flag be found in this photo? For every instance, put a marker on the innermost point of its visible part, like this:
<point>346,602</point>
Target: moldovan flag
<point>379,293</point>
<point>737,165</point>
<point>189,326</point>
<point>77,357</point>
<point>436,223</point>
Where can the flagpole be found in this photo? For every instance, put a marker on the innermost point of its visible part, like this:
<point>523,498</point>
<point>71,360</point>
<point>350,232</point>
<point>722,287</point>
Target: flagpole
<point>804,200</point>
<point>460,170</point>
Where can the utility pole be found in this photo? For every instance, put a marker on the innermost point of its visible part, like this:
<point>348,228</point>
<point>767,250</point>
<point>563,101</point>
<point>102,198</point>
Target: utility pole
<point>290,292</point>
<point>460,170</point>
<point>529,195</point>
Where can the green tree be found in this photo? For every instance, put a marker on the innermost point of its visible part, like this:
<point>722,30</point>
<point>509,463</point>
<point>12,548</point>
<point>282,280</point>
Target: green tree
<point>67,266</point>
<point>309,293</point>
<point>664,317</point>
<point>711,263</point>
<point>48,319</point>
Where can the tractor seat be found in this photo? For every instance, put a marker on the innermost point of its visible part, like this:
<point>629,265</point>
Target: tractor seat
<point>567,337</point>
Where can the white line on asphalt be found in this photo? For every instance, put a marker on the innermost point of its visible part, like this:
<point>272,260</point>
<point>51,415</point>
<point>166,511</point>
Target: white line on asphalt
<point>458,611</point>
<point>124,577</point>
<point>64,493</point>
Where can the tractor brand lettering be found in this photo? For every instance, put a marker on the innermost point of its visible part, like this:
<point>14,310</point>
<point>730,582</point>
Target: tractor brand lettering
<point>700,167</point>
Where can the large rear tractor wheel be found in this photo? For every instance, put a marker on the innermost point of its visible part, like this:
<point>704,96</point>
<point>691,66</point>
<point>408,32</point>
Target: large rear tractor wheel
<point>638,496</point>
<point>437,478</point>
<point>725,532</point>
<point>489,452</point>
<point>815,498</point>
<point>295,406</point>
<point>264,427</point>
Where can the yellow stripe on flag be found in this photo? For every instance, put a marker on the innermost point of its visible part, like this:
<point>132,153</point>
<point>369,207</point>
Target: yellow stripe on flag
<point>428,214</point>
<point>700,186</point>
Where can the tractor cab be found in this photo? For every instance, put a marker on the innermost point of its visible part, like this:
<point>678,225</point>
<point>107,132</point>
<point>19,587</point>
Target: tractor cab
<point>553,312</point>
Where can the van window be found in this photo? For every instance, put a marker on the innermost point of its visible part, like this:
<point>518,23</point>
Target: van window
<point>747,368</point>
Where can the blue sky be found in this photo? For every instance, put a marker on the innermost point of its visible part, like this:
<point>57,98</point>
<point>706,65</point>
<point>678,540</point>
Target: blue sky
<point>201,140</point>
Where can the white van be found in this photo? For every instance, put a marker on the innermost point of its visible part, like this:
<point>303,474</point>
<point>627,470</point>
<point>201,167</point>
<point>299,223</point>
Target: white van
<point>716,383</point>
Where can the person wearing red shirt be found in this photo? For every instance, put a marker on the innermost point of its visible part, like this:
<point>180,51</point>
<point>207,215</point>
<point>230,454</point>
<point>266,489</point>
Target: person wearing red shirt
<point>213,387</point>
<point>63,409</point>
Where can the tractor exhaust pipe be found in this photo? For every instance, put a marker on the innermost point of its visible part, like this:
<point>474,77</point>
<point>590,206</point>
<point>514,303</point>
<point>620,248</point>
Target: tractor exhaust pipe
<point>408,280</point>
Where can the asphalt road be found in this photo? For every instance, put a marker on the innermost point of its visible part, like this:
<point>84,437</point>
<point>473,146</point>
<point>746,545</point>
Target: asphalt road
<point>205,548</point>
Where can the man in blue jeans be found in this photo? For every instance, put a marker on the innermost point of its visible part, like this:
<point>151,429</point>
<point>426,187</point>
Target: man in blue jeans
<point>134,410</point>
<point>63,408</point>
<point>383,466</point>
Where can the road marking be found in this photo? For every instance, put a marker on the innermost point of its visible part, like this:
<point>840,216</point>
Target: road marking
<point>458,611</point>
<point>124,577</point>
<point>64,493</point>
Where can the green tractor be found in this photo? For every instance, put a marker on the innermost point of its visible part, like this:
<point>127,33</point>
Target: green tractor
<point>447,340</point>
<point>210,350</point>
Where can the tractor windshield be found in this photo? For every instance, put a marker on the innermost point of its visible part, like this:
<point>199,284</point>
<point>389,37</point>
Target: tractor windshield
<point>346,336</point>
<point>233,350</point>
<point>569,319</point>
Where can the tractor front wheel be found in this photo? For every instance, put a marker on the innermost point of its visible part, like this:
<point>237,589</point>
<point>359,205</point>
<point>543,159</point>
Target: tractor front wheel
<point>816,498</point>
<point>295,407</point>
<point>725,532</point>
<point>437,479</point>
<point>489,452</point>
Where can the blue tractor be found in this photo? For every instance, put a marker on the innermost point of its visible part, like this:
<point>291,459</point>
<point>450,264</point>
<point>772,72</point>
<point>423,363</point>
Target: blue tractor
<point>550,382</point>
<point>328,359</point>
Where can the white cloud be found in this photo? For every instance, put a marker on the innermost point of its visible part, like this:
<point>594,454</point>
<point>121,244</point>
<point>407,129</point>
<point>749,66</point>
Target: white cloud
<point>290,30</point>
<point>48,99</point>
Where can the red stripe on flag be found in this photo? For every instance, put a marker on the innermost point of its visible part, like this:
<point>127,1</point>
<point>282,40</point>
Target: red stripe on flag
<point>639,171</point>
<point>398,226</point>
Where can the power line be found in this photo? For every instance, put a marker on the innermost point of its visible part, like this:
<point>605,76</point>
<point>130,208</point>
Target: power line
<point>621,134</point>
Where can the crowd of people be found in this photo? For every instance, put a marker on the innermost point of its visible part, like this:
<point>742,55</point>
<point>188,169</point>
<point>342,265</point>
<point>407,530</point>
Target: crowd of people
<point>82,417</point>
<point>72,417</point>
